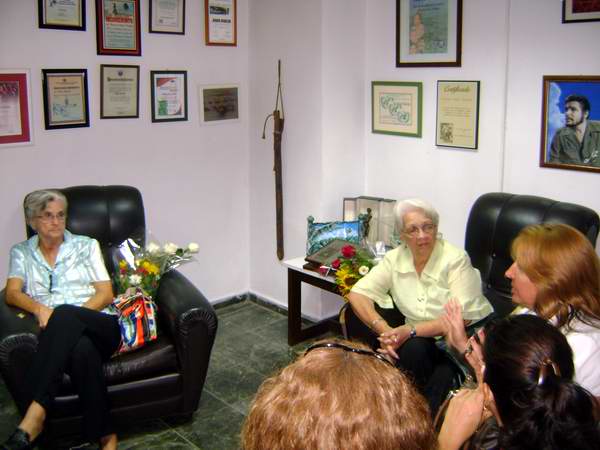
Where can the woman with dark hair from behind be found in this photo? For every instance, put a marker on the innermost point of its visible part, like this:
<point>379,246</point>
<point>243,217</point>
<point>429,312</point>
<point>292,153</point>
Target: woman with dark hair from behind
<point>528,386</point>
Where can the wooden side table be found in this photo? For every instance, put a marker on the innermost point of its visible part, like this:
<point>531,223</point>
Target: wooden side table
<point>296,276</point>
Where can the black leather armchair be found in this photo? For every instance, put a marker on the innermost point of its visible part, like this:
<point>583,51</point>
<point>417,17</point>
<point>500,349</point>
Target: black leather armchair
<point>497,218</point>
<point>164,378</point>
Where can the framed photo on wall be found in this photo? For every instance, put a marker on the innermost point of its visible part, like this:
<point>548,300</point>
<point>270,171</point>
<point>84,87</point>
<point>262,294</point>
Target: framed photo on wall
<point>15,108</point>
<point>397,108</point>
<point>118,27</point>
<point>169,95</point>
<point>428,33</point>
<point>571,123</point>
<point>457,114</point>
<point>167,16</point>
<point>62,15</point>
<point>220,22</point>
<point>580,11</point>
<point>219,103</point>
<point>65,98</point>
<point>119,91</point>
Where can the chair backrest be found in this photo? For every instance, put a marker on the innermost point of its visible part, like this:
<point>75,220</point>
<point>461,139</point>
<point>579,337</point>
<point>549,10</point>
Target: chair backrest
<point>109,214</point>
<point>497,218</point>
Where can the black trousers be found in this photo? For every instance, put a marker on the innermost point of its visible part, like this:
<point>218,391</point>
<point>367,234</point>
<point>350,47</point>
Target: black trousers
<point>76,341</point>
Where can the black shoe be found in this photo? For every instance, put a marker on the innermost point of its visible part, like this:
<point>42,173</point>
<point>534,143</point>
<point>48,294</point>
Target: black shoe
<point>19,440</point>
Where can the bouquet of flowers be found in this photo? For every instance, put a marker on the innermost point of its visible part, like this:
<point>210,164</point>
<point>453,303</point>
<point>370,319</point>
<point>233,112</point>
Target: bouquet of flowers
<point>350,267</point>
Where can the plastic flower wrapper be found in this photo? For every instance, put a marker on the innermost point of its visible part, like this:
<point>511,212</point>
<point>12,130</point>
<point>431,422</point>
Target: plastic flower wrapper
<point>350,266</point>
<point>142,267</point>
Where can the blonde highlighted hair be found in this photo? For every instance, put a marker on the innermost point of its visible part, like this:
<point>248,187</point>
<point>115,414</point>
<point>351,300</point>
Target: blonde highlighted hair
<point>332,398</point>
<point>561,262</point>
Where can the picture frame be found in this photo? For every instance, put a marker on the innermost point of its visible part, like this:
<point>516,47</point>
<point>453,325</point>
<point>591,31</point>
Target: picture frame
<point>166,16</point>
<point>397,108</point>
<point>15,108</point>
<point>65,98</point>
<point>220,22</point>
<point>428,34</point>
<point>570,137</point>
<point>329,253</point>
<point>457,114</point>
<point>118,27</point>
<point>66,15</point>
<point>169,95</point>
<point>119,91</point>
<point>574,11</point>
<point>219,103</point>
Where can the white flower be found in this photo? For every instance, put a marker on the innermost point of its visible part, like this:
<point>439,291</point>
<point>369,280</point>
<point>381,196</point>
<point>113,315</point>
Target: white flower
<point>170,248</point>
<point>363,270</point>
<point>135,279</point>
<point>152,247</point>
<point>193,247</point>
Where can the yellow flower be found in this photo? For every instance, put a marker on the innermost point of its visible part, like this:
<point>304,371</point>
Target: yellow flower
<point>345,278</point>
<point>122,264</point>
<point>150,267</point>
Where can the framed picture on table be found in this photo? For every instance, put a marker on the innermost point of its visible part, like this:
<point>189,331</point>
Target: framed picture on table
<point>15,108</point>
<point>118,27</point>
<point>62,14</point>
<point>65,98</point>
<point>428,33</point>
<point>580,11</point>
<point>570,137</point>
<point>169,95</point>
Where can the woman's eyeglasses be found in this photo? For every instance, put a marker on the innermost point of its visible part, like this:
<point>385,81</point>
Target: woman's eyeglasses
<point>347,348</point>
<point>413,231</point>
<point>48,217</point>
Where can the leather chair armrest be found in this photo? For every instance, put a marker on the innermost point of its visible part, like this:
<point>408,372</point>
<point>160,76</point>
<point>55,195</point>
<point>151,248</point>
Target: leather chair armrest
<point>18,342</point>
<point>192,323</point>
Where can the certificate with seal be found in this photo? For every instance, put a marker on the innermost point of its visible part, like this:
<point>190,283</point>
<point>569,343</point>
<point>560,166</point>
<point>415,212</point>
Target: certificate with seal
<point>169,95</point>
<point>62,14</point>
<point>220,22</point>
<point>457,114</point>
<point>15,108</point>
<point>119,91</point>
<point>118,27</point>
<point>65,98</point>
<point>167,16</point>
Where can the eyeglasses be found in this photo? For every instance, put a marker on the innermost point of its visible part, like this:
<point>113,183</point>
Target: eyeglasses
<point>427,228</point>
<point>48,217</point>
<point>346,348</point>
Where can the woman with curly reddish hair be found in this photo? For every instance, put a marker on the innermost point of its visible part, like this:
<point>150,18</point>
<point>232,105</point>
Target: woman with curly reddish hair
<point>339,395</point>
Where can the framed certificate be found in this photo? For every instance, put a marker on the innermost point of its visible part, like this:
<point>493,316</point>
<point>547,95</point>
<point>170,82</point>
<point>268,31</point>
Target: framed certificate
<point>457,116</point>
<point>397,108</point>
<point>15,108</point>
<point>219,103</point>
<point>65,98</point>
<point>220,22</point>
<point>119,91</point>
<point>62,14</point>
<point>580,11</point>
<point>118,27</point>
<point>169,95</point>
<point>428,33</point>
<point>167,16</point>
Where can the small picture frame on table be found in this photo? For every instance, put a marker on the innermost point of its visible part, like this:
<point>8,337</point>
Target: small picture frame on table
<point>167,16</point>
<point>219,104</point>
<point>457,115</point>
<point>118,27</point>
<point>397,108</point>
<point>169,95</point>
<point>62,15</point>
<point>574,11</point>
<point>119,91</point>
<point>220,22</point>
<point>65,98</point>
<point>15,108</point>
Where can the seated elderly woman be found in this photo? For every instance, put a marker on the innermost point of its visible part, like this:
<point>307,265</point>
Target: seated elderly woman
<point>61,279</point>
<point>555,275</point>
<point>527,397</point>
<point>339,395</point>
<point>419,277</point>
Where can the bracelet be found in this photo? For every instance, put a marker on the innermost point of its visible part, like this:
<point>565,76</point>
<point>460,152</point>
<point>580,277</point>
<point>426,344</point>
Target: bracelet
<point>379,319</point>
<point>413,332</point>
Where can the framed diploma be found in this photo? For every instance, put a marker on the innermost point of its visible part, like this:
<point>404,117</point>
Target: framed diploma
<point>219,103</point>
<point>169,95</point>
<point>457,115</point>
<point>397,108</point>
<point>580,11</point>
<point>220,22</point>
<point>119,92</point>
<point>15,108</point>
<point>65,98</point>
<point>428,33</point>
<point>167,16</point>
<point>62,14</point>
<point>118,27</point>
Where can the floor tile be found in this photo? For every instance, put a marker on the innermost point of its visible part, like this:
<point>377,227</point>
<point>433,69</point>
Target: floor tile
<point>234,385</point>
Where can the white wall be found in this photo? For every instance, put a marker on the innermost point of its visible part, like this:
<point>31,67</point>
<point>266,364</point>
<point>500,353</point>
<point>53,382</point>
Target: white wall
<point>194,179</point>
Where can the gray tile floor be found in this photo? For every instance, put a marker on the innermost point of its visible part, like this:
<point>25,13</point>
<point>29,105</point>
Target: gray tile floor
<point>251,344</point>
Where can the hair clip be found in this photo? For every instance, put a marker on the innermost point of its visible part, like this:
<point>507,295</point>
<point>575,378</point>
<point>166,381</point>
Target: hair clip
<point>544,370</point>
